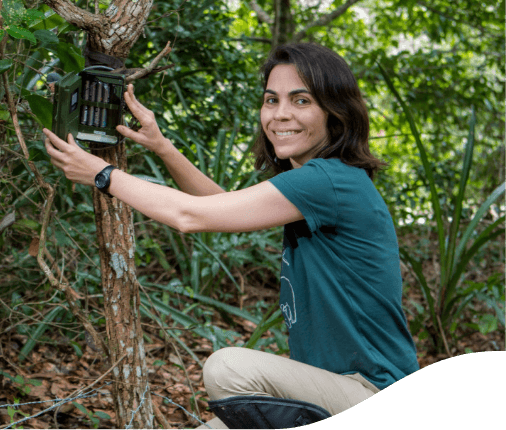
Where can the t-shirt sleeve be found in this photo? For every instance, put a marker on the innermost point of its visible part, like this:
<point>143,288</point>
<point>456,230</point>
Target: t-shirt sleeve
<point>311,190</point>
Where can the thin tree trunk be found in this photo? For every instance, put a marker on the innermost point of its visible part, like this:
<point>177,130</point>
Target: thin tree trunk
<point>115,233</point>
<point>284,24</point>
<point>114,33</point>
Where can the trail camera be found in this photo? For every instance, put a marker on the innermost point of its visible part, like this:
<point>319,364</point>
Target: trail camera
<point>89,105</point>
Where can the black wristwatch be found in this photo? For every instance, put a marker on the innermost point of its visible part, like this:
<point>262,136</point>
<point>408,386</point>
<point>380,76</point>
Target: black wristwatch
<point>103,179</point>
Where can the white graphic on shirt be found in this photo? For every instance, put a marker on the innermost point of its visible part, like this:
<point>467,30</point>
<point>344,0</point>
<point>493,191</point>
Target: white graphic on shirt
<point>284,259</point>
<point>290,318</point>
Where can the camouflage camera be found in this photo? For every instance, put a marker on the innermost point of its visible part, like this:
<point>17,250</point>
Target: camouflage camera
<point>89,105</point>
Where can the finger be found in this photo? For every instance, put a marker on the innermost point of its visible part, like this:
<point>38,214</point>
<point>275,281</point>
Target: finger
<point>55,140</point>
<point>137,108</point>
<point>54,154</point>
<point>51,150</point>
<point>72,141</point>
<point>125,131</point>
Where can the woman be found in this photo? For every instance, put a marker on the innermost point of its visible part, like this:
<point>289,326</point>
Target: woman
<point>340,280</point>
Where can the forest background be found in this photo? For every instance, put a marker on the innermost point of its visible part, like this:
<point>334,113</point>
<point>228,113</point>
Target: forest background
<point>432,75</point>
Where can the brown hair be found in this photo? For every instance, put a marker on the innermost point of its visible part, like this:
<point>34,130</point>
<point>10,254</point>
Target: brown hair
<point>332,84</point>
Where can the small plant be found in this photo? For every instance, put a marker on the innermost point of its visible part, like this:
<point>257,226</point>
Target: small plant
<point>93,417</point>
<point>23,385</point>
<point>13,411</point>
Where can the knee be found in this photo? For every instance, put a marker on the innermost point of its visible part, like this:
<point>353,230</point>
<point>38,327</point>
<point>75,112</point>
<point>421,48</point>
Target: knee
<point>221,364</point>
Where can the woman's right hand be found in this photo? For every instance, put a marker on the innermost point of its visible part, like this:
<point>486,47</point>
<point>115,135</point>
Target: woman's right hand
<point>149,135</point>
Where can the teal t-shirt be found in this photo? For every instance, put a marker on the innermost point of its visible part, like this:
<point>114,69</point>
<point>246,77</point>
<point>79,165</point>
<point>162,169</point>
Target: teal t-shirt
<point>341,284</point>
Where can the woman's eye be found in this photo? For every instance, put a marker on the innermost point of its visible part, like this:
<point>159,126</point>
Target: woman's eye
<point>301,101</point>
<point>270,100</point>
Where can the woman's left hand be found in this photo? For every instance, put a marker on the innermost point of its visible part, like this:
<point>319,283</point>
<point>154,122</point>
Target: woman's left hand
<point>77,164</point>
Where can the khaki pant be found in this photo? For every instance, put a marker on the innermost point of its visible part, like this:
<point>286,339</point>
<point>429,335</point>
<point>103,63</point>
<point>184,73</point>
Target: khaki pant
<point>245,372</point>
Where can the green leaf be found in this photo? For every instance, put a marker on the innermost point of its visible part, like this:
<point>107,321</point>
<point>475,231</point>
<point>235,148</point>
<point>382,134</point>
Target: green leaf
<point>102,415</point>
<point>151,179</point>
<point>487,324</point>
<point>21,33</point>
<point>46,36</point>
<point>50,21</point>
<point>155,170</point>
<point>26,224</point>
<point>82,409</point>
<point>417,268</point>
<point>42,108</point>
<point>5,64</point>
<point>70,57</point>
<point>33,16</point>
<point>39,331</point>
<point>13,12</point>
<point>476,219</point>
<point>77,349</point>
<point>454,228</point>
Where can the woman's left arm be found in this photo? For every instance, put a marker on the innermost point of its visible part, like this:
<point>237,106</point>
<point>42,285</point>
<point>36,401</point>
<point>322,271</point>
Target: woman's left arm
<point>258,207</point>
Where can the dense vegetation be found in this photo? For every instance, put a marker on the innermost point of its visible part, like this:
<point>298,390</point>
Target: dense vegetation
<point>432,74</point>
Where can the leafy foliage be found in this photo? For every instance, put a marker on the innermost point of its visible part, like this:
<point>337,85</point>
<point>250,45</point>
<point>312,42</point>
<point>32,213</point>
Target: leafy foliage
<point>441,56</point>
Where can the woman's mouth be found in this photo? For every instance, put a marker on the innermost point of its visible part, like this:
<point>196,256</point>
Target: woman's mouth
<point>286,133</point>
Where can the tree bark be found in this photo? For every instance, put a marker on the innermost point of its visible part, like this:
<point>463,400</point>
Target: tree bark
<point>114,33</point>
<point>284,24</point>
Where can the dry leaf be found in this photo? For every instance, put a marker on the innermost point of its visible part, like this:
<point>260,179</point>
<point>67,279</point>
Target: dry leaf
<point>34,247</point>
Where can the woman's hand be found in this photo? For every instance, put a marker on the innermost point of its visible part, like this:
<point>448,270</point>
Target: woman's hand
<point>78,165</point>
<point>149,135</point>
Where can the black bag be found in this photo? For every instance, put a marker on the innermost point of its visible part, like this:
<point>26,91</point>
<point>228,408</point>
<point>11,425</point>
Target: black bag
<point>262,412</point>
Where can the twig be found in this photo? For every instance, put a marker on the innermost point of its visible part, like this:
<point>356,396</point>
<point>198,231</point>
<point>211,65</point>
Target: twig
<point>179,406</point>
<point>80,390</point>
<point>160,417</point>
<point>147,70</point>
<point>443,336</point>
<point>241,296</point>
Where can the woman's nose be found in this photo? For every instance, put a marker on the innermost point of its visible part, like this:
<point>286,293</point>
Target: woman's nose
<point>283,112</point>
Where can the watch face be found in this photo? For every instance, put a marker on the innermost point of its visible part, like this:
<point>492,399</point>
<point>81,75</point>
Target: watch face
<point>101,180</point>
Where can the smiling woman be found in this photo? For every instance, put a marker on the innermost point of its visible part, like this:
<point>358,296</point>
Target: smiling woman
<point>340,279</point>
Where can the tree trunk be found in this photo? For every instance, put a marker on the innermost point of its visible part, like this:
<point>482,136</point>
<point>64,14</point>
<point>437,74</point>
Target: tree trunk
<point>115,233</point>
<point>284,24</point>
<point>113,34</point>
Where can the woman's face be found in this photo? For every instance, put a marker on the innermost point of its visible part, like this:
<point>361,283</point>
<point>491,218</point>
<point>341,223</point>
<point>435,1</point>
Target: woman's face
<point>291,118</point>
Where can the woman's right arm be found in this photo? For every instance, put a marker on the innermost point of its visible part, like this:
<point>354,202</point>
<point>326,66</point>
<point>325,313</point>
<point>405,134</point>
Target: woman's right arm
<point>190,179</point>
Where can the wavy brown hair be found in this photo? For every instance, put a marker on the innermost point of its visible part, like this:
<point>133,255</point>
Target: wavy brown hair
<point>335,89</point>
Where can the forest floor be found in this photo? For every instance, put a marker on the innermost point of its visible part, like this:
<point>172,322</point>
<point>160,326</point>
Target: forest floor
<point>54,371</point>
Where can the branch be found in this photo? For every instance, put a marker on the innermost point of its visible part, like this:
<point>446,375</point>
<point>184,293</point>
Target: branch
<point>324,20</point>
<point>150,69</point>
<point>74,14</point>
<point>262,15</point>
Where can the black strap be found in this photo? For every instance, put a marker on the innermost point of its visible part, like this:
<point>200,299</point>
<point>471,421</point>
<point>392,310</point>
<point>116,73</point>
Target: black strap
<point>95,58</point>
